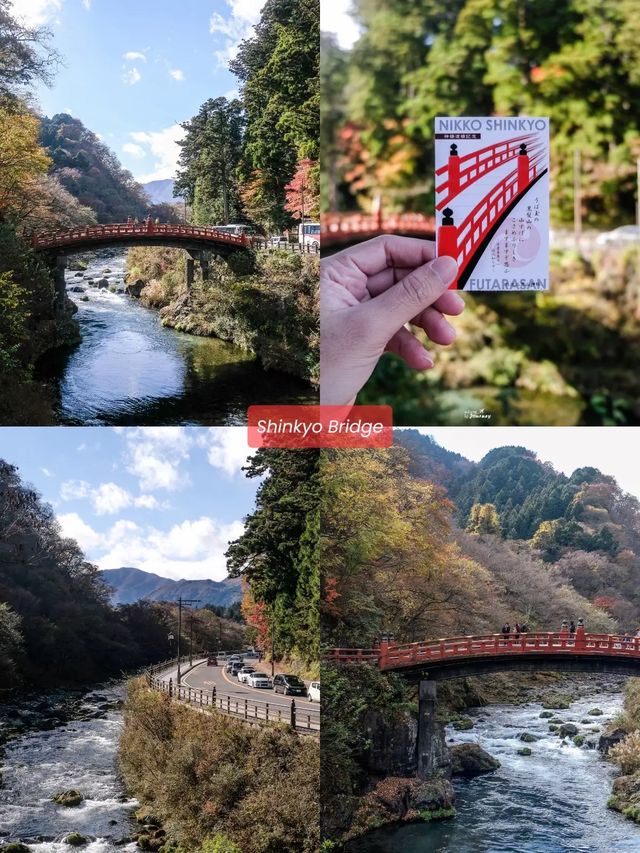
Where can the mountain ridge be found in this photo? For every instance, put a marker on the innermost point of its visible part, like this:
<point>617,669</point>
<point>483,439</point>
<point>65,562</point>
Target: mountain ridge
<point>128,585</point>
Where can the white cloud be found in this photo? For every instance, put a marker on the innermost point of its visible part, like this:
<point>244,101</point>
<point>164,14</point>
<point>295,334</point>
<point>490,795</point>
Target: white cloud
<point>336,18</point>
<point>192,549</point>
<point>87,4</point>
<point>133,149</point>
<point>72,490</point>
<point>176,73</point>
<point>47,472</point>
<point>134,55</point>
<point>155,454</point>
<point>227,449</point>
<point>163,147</point>
<point>131,77</point>
<point>110,498</point>
<point>235,26</point>
<point>107,498</point>
<point>35,13</point>
<point>73,527</point>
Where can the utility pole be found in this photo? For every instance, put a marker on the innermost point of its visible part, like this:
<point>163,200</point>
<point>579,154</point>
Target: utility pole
<point>273,654</point>
<point>577,198</point>
<point>638,215</point>
<point>183,602</point>
<point>302,210</point>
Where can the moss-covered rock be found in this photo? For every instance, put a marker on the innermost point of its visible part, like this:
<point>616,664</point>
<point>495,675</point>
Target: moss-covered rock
<point>596,712</point>
<point>557,703</point>
<point>470,759</point>
<point>15,847</point>
<point>578,740</point>
<point>525,750</point>
<point>546,715</point>
<point>568,730</point>
<point>75,839</point>
<point>70,798</point>
<point>527,737</point>
<point>463,724</point>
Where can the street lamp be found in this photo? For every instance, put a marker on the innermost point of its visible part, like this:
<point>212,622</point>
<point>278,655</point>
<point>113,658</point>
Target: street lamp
<point>187,602</point>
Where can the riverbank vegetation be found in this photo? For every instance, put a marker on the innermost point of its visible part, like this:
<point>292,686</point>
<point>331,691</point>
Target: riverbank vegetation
<point>267,305</point>
<point>565,357</point>
<point>420,542</point>
<point>625,752</point>
<point>218,784</point>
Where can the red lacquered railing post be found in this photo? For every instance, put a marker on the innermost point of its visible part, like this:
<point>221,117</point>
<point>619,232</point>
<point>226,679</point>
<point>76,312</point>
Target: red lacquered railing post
<point>453,171</point>
<point>523,169</point>
<point>580,639</point>
<point>448,240</point>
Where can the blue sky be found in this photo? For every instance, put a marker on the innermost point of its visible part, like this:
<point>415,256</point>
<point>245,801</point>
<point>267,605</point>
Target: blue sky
<point>162,499</point>
<point>613,450</point>
<point>135,69</point>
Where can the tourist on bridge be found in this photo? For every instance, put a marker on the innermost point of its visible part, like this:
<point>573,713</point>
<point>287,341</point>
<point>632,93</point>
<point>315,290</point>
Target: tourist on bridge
<point>524,628</point>
<point>506,630</point>
<point>517,630</point>
<point>572,628</point>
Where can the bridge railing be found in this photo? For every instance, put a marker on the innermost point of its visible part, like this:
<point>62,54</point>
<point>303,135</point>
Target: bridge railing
<point>464,170</point>
<point>50,239</point>
<point>397,656</point>
<point>335,227</point>
<point>304,722</point>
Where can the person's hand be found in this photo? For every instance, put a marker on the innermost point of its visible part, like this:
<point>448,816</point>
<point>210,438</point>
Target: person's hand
<point>367,295</point>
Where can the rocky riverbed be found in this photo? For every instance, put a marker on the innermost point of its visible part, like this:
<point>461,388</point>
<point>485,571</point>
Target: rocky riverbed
<point>52,746</point>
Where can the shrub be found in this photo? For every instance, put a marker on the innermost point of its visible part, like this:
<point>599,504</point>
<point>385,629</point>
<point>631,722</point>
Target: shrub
<point>626,754</point>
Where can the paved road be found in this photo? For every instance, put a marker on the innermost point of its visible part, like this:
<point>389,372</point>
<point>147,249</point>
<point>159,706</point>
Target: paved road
<point>206,677</point>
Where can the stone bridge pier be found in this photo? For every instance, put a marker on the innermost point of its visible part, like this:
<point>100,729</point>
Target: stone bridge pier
<point>428,753</point>
<point>59,283</point>
<point>201,257</point>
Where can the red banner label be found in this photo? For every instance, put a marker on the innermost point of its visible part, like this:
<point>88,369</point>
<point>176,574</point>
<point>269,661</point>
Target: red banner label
<point>320,426</point>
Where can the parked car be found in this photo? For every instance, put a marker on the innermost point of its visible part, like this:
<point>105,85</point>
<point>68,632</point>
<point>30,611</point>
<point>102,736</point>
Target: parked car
<point>259,679</point>
<point>233,667</point>
<point>289,685</point>
<point>251,655</point>
<point>619,236</point>
<point>212,660</point>
<point>279,240</point>
<point>243,672</point>
<point>313,692</point>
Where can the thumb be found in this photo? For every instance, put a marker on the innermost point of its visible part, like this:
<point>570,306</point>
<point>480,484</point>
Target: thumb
<point>412,294</point>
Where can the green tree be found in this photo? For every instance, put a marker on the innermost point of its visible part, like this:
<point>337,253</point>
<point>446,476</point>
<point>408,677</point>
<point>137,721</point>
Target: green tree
<point>25,55</point>
<point>209,161</point>
<point>278,69</point>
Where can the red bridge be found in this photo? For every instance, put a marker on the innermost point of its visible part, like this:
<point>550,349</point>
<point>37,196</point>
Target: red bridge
<point>458,657</point>
<point>338,230</point>
<point>466,241</point>
<point>145,233</point>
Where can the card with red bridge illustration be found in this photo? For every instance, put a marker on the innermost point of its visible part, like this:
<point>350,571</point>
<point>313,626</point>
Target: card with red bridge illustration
<point>492,200</point>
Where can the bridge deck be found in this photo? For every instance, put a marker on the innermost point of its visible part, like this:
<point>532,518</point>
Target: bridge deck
<point>390,657</point>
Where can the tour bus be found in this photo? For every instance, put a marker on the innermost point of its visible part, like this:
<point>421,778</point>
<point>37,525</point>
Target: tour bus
<point>238,229</point>
<point>311,236</point>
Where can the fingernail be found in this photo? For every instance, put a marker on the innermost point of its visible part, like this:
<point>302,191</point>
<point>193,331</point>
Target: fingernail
<point>427,359</point>
<point>459,301</point>
<point>445,268</point>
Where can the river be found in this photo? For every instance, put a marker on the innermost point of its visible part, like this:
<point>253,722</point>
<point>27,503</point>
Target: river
<point>553,801</point>
<point>129,369</point>
<point>70,742</point>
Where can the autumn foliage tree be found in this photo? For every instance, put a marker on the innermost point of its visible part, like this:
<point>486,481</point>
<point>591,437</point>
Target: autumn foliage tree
<point>302,199</point>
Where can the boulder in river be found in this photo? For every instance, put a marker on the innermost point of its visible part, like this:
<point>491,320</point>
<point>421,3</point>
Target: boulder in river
<point>135,288</point>
<point>568,730</point>
<point>69,798</point>
<point>462,724</point>
<point>76,289</point>
<point>103,283</point>
<point>595,712</point>
<point>612,738</point>
<point>527,737</point>
<point>525,750</point>
<point>16,847</point>
<point>76,840</point>
<point>470,759</point>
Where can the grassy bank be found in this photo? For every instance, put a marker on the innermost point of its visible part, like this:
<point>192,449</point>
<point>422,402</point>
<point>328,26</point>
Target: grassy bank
<point>267,306</point>
<point>216,784</point>
<point>626,754</point>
